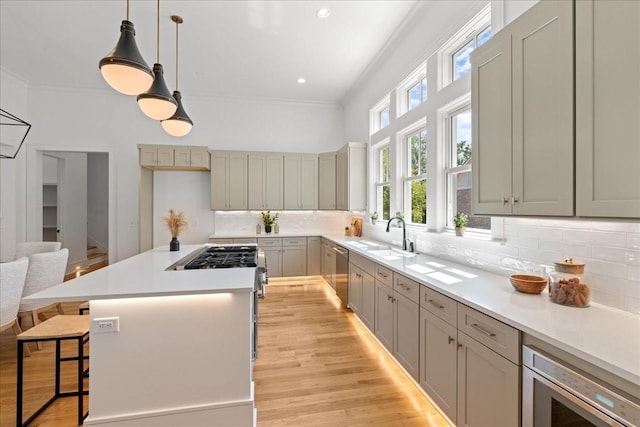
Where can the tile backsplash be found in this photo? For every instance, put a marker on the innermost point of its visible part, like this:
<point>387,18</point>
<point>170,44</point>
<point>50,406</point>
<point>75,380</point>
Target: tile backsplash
<point>611,251</point>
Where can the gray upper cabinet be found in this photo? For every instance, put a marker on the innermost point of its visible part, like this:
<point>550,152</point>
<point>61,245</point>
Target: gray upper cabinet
<point>522,112</point>
<point>327,181</point>
<point>228,180</point>
<point>301,181</point>
<point>351,173</point>
<point>169,157</point>
<point>607,108</point>
<point>265,186</point>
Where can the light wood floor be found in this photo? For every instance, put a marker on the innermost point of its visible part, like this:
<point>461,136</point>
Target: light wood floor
<point>317,366</point>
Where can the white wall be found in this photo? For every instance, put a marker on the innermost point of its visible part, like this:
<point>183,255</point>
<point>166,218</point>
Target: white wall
<point>91,120</point>
<point>13,99</point>
<point>611,249</point>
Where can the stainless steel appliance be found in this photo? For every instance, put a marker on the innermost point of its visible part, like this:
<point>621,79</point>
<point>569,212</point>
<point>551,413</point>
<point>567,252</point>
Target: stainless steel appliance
<point>555,394</point>
<point>342,274</point>
<point>233,256</point>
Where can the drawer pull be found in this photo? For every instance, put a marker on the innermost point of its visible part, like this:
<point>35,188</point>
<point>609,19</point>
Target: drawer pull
<point>403,286</point>
<point>432,302</point>
<point>381,274</point>
<point>482,331</point>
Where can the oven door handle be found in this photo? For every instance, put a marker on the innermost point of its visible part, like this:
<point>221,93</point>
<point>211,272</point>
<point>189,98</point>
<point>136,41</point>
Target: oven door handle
<point>528,399</point>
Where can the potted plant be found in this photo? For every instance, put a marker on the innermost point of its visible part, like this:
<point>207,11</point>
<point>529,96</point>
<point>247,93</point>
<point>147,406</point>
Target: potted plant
<point>374,217</point>
<point>268,220</point>
<point>460,220</point>
<point>176,223</point>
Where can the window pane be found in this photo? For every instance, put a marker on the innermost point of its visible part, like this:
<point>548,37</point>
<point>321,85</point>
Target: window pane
<point>461,60</point>
<point>484,36</point>
<point>462,183</point>
<point>418,201</point>
<point>461,127</point>
<point>384,204</point>
<point>424,89</point>
<point>384,165</point>
<point>423,152</point>
<point>384,118</point>
<point>414,96</point>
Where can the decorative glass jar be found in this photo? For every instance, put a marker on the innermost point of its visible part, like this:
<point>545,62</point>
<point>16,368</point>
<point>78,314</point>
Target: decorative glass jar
<point>566,286</point>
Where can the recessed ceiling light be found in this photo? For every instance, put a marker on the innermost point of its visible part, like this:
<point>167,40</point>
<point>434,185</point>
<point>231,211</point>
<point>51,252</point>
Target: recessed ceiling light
<point>323,13</point>
<point>301,81</point>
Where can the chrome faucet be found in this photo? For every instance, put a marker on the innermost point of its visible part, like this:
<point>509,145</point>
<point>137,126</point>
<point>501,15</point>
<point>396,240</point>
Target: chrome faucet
<point>404,233</point>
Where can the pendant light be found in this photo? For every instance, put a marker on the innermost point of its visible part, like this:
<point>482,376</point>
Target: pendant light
<point>123,68</point>
<point>179,124</point>
<point>157,102</point>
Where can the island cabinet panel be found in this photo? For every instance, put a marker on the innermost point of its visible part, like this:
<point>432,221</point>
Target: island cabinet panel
<point>146,373</point>
<point>438,362</point>
<point>607,108</point>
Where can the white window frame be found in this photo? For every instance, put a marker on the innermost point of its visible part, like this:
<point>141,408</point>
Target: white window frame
<point>410,81</point>
<point>374,114</point>
<point>378,183</point>
<point>404,176</point>
<point>468,32</point>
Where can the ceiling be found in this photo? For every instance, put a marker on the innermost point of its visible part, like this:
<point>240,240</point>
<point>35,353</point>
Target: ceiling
<point>246,49</point>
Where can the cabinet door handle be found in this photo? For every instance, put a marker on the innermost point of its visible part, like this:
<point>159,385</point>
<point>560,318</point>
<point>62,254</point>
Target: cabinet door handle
<point>514,200</point>
<point>482,331</point>
<point>459,346</point>
<point>435,304</point>
<point>451,340</point>
<point>505,201</point>
<point>388,297</point>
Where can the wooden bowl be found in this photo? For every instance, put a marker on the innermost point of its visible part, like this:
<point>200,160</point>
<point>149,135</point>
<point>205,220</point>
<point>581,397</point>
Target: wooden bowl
<point>528,284</point>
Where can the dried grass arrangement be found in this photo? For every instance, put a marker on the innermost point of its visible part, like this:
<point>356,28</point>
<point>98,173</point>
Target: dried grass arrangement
<point>176,222</point>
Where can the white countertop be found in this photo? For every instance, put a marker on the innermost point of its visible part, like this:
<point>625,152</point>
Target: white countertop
<point>144,275</point>
<point>263,235</point>
<point>604,336</point>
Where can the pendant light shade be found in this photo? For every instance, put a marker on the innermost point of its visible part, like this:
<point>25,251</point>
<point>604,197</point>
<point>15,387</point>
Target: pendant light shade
<point>157,102</point>
<point>123,68</point>
<point>179,124</point>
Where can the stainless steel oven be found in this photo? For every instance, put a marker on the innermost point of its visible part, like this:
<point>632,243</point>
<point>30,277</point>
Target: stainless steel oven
<point>555,394</point>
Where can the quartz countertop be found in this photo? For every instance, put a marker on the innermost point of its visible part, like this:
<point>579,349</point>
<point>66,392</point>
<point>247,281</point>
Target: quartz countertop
<point>604,336</point>
<point>145,275</point>
<point>263,235</point>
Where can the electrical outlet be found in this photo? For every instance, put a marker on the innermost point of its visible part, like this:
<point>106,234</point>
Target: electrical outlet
<point>104,325</point>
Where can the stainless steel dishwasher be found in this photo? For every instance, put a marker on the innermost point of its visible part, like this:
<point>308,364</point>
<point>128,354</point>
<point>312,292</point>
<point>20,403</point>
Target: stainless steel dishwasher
<point>342,274</point>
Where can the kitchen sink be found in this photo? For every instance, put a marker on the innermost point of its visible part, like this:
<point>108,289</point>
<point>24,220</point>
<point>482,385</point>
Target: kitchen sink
<point>391,254</point>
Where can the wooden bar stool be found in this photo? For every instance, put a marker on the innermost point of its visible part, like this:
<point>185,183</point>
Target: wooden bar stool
<point>58,328</point>
<point>84,307</point>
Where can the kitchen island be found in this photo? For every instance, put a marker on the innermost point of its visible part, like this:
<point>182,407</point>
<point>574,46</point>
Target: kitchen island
<point>167,347</point>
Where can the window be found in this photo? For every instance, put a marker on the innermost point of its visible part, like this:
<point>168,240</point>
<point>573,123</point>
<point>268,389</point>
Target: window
<point>462,57</point>
<point>458,169</point>
<point>417,94</point>
<point>412,91</point>
<point>383,182</point>
<point>454,55</point>
<point>415,181</point>
<point>379,115</point>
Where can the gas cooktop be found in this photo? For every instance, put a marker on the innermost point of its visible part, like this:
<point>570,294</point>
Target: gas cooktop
<point>224,257</point>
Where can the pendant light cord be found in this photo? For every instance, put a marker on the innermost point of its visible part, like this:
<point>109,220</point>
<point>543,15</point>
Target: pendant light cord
<point>158,35</point>
<point>177,23</point>
<point>127,10</point>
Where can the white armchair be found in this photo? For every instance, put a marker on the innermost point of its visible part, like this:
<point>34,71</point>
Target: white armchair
<point>29,248</point>
<point>46,269</point>
<point>12,277</point>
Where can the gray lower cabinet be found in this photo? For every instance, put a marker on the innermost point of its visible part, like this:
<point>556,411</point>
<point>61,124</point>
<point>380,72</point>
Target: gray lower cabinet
<point>272,248</point>
<point>362,292</point>
<point>488,386</point>
<point>384,308</point>
<point>438,362</point>
<point>314,256</point>
<point>405,333</point>
<point>355,288</point>
<point>368,304</point>
<point>294,256</point>
<point>328,263</point>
